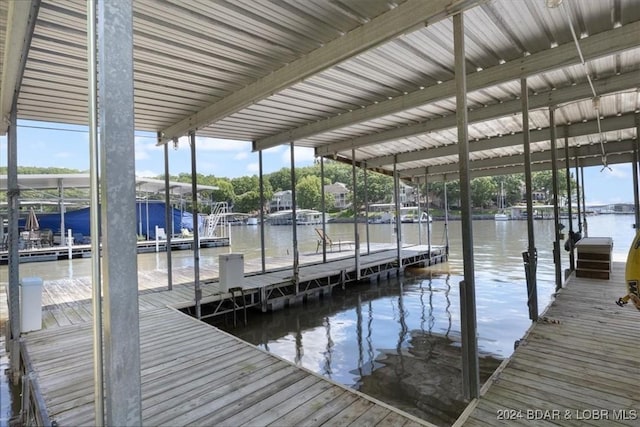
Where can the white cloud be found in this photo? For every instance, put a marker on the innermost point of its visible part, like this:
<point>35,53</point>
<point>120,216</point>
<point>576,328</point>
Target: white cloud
<point>253,168</point>
<point>302,155</point>
<point>64,155</point>
<point>212,144</point>
<point>144,147</point>
<point>241,156</point>
<point>617,171</point>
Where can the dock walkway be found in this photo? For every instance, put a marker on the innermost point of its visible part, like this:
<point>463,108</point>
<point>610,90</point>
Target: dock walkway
<point>193,373</point>
<point>578,365</point>
<point>68,301</point>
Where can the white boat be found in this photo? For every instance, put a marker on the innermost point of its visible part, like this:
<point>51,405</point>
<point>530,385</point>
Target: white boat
<point>252,221</point>
<point>501,216</point>
<point>303,217</point>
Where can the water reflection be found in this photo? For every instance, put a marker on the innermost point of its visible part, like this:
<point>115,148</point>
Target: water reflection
<point>347,338</point>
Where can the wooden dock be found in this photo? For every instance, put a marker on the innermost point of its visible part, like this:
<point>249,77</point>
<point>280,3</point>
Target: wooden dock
<point>56,252</point>
<point>578,365</point>
<point>193,373</point>
<point>67,301</point>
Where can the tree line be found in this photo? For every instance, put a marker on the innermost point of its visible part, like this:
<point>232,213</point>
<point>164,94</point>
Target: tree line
<point>243,193</point>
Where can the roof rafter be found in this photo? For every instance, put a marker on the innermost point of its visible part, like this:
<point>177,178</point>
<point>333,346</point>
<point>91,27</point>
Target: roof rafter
<point>598,45</point>
<point>21,19</point>
<point>578,129</point>
<point>616,158</point>
<point>404,18</point>
<point>517,160</point>
<point>546,99</point>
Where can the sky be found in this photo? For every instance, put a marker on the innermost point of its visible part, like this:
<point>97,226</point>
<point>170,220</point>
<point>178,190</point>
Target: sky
<point>68,147</point>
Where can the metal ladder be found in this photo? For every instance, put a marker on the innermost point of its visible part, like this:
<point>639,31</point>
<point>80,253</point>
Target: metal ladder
<point>214,218</point>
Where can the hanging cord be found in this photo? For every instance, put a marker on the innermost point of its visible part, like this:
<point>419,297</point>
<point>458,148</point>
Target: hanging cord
<point>596,97</point>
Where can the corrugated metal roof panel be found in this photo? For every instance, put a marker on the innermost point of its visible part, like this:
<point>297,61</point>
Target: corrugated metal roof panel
<point>189,55</point>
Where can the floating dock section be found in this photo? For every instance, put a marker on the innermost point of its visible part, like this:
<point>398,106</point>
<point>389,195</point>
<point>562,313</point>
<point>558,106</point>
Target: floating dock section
<point>55,253</point>
<point>577,365</point>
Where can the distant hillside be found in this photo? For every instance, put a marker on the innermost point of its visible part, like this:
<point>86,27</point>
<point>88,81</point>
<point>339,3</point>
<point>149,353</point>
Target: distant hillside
<point>32,170</point>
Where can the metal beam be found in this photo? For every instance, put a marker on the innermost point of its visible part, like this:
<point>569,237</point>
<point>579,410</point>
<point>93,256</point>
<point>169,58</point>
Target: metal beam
<point>506,108</point>
<point>593,150</point>
<point>556,208</point>
<point>13,204</point>
<point>626,121</point>
<point>405,18</point>
<point>531,256</point>
<point>468,324</point>
<point>593,47</point>
<point>612,159</point>
<point>196,225</point>
<point>118,202</point>
<point>21,21</point>
<point>94,208</point>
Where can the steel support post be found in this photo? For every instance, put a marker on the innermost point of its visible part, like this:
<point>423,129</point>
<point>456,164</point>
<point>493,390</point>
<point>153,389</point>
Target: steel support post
<point>446,218</point>
<point>556,210</point>
<point>366,207</point>
<point>168,220</point>
<point>426,200</point>
<point>94,206</point>
<point>294,221</point>
<point>118,196</point>
<point>323,203</point>
<point>416,191</point>
<point>578,191</point>
<point>531,256</point>
<point>196,225</point>
<point>470,364</point>
<point>13,194</point>
<point>398,224</point>
<point>13,199</point>
<point>584,205</point>
<point>263,259</point>
<point>356,235</point>
<point>572,259</point>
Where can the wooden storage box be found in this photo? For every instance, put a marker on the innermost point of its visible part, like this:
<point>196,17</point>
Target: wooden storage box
<point>594,257</point>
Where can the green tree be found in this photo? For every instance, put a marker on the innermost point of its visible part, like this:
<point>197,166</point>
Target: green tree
<point>247,202</point>
<point>453,192</point>
<point>225,192</point>
<point>543,181</point>
<point>243,184</point>
<point>308,194</point>
<point>483,191</point>
<point>280,180</point>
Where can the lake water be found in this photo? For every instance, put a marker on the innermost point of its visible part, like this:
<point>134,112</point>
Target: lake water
<point>397,340</point>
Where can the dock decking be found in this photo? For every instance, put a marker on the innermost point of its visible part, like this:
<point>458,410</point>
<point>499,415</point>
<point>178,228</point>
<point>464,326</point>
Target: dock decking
<point>193,373</point>
<point>67,301</point>
<point>578,365</point>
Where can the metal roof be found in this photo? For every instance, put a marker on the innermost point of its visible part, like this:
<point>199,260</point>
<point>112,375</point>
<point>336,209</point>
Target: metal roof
<point>375,76</point>
<point>81,181</point>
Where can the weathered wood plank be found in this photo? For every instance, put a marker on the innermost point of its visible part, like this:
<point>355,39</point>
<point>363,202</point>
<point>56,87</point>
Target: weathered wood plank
<point>190,371</point>
<point>581,357</point>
